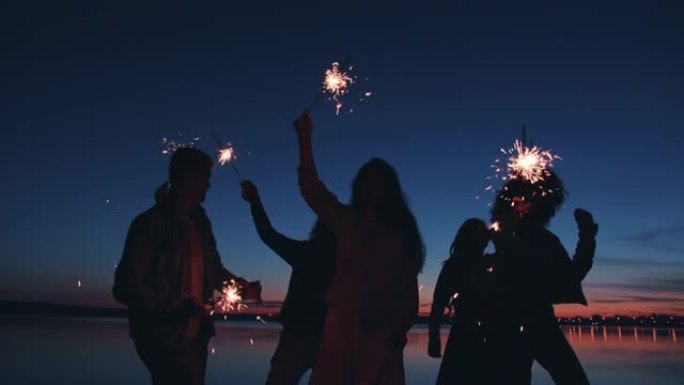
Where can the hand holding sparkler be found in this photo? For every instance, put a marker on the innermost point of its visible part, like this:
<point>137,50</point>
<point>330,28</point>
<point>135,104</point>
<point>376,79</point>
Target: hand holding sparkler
<point>249,192</point>
<point>304,126</point>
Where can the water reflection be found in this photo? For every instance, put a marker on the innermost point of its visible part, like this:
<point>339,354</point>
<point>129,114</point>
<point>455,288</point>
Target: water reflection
<point>81,351</point>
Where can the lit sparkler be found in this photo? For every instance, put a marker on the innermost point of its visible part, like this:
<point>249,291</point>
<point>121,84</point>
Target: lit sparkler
<point>336,84</point>
<point>226,154</point>
<point>529,163</point>
<point>495,226</point>
<point>230,299</point>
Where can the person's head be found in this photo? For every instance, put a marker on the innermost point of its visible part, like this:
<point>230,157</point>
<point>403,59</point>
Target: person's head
<point>376,190</point>
<point>471,238</point>
<point>189,174</point>
<point>521,201</point>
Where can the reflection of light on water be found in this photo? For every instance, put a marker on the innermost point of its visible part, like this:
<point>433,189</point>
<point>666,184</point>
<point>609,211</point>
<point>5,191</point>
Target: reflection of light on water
<point>614,334</point>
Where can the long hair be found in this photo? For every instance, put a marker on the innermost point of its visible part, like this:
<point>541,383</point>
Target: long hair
<point>470,237</point>
<point>393,208</point>
<point>544,197</point>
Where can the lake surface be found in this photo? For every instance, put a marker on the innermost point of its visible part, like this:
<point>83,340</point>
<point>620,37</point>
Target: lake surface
<point>79,351</point>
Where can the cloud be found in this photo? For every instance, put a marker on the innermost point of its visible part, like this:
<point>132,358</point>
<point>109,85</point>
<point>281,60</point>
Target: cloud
<point>663,286</point>
<point>665,239</point>
<point>617,261</point>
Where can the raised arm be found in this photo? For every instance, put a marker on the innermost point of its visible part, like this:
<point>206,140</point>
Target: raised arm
<point>288,249</point>
<point>316,195</point>
<point>583,259</point>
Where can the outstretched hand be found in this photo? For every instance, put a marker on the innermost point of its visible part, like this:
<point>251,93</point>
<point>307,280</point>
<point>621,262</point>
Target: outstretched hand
<point>304,126</point>
<point>249,191</point>
<point>585,222</point>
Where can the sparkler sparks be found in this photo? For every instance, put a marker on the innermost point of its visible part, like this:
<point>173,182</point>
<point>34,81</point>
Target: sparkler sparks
<point>230,299</point>
<point>170,146</point>
<point>495,226</point>
<point>529,163</point>
<point>226,154</point>
<point>335,86</point>
<point>336,83</point>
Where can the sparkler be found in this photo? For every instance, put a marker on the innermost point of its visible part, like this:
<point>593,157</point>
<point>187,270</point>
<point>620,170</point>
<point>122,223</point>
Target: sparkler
<point>170,146</point>
<point>336,84</point>
<point>529,164</point>
<point>226,154</point>
<point>495,226</point>
<point>230,299</point>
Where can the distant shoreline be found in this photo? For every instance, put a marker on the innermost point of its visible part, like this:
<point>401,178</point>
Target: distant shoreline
<point>64,310</point>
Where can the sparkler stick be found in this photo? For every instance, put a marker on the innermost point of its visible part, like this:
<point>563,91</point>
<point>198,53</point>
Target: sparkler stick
<point>226,154</point>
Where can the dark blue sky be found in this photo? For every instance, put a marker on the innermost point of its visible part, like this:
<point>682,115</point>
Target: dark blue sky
<point>89,89</point>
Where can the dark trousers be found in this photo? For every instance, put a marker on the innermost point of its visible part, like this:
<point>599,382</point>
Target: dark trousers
<point>544,343</point>
<point>553,352</point>
<point>185,365</point>
<point>295,354</point>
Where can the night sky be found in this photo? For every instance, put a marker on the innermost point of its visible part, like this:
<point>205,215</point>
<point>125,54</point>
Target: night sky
<point>89,88</point>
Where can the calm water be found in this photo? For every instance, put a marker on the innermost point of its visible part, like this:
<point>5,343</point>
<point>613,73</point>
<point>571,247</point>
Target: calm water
<point>37,350</point>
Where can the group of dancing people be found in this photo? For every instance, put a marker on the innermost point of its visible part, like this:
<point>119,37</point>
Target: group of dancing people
<point>353,291</point>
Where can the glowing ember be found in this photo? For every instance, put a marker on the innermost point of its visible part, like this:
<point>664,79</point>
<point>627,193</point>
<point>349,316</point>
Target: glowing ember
<point>251,341</point>
<point>258,318</point>
<point>495,226</point>
<point>226,154</point>
<point>490,269</point>
<point>522,328</point>
<point>231,299</point>
<point>455,296</point>
<point>78,283</point>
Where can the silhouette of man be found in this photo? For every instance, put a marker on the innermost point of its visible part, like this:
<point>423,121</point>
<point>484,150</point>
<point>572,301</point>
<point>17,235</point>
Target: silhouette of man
<point>168,272</point>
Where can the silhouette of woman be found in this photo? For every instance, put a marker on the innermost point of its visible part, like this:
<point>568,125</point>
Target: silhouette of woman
<point>373,298</point>
<point>303,311</point>
<point>534,272</point>
<point>467,278</point>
